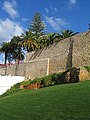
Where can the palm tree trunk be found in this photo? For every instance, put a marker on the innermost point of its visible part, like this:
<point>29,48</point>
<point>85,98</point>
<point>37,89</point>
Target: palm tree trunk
<point>18,61</point>
<point>9,63</point>
<point>5,58</point>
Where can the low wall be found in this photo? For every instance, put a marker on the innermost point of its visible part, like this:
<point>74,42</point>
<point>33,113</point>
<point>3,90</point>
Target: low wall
<point>37,68</point>
<point>30,70</point>
<point>2,70</point>
<point>11,70</point>
<point>16,69</point>
<point>20,69</point>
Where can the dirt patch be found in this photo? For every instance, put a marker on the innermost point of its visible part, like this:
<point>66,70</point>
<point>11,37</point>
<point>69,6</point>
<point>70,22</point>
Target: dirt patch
<point>84,74</point>
<point>33,86</point>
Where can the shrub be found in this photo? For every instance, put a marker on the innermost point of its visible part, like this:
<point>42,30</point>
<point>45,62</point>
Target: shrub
<point>47,81</point>
<point>87,68</point>
<point>69,76</point>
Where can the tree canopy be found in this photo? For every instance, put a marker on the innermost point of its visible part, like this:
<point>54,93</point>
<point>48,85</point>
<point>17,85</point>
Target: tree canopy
<point>37,26</point>
<point>32,39</point>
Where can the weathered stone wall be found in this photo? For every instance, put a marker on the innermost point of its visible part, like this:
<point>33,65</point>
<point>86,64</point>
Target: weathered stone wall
<point>58,49</point>
<point>81,50</point>
<point>21,69</point>
<point>57,53</point>
<point>70,52</point>
<point>30,70</point>
<point>11,70</point>
<point>2,70</point>
<point>17,70</point>
<point>36,69</point>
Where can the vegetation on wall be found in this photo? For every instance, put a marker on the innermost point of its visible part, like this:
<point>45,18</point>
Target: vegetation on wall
<point>71,75</point>
<point>87,68</point>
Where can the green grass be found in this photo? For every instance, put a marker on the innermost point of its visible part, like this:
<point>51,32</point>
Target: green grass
<point>60,102</point>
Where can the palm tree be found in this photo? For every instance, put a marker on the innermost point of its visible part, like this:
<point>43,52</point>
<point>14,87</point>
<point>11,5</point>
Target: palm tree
<point>18,54</point>
<point>50,38</point>
<point>5,48</point>
<point>28,41</point>
<point>40,41</point>
<point>67,33</point>
<point>58,36</point>
<point>14,42</point>
<point>45,40</point>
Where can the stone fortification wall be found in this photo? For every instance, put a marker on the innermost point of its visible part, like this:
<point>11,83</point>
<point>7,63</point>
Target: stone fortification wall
<point>57,49</point>
<point>17,70</point>
<point>21,69</point>
<point>57,53</point>
<point>70,52</point>
<point>2,70</point>
<point>30,70</point>
<point>11,70</point>
<point>81,50</point>
<point>36,68</point>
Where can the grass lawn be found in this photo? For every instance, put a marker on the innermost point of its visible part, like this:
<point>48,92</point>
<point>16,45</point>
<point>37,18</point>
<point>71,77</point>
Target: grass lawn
<point>60,102</point>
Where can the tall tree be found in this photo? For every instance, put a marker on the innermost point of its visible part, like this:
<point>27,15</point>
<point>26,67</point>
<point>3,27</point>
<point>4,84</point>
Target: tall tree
<point>18,54</point>
<point>14,42</point>
<point>28,41</point>
<point>5,48</point>
<point>37,26</point>
<point>41,41</point>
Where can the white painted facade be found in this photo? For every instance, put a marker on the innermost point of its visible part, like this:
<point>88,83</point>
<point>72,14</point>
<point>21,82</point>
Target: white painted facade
<point>7,81</point>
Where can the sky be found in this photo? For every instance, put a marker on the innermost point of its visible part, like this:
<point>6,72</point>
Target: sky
<point>16,15</point>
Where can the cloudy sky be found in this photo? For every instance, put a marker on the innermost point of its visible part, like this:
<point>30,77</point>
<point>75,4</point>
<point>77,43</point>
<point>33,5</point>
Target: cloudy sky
<point>15,15</point>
